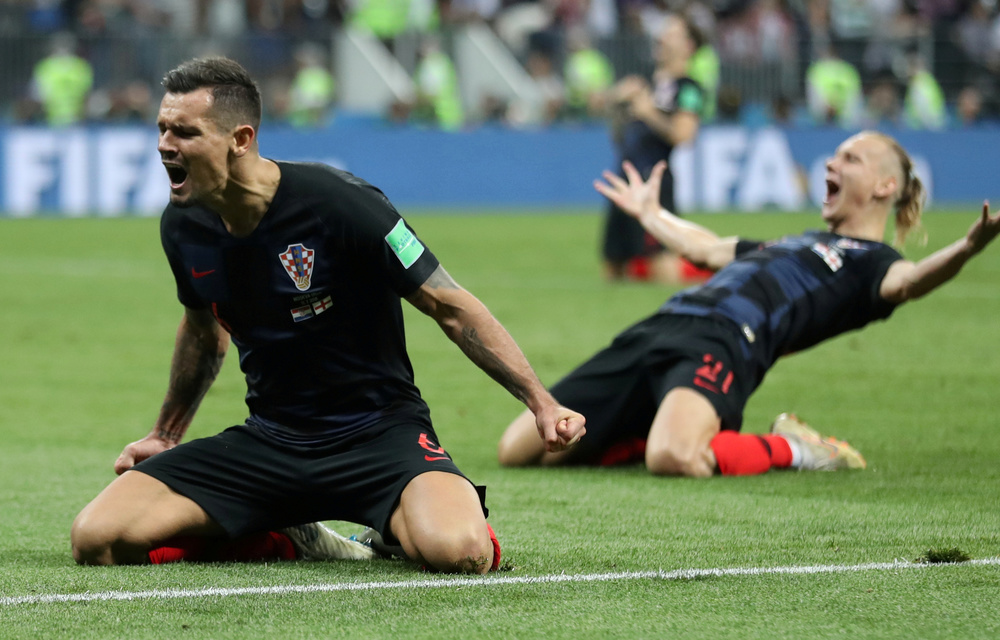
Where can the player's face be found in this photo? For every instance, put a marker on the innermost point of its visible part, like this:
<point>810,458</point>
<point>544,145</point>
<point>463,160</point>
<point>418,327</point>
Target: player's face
<point>852,175</point>
<point>193,149</point>
<point>673,42</point>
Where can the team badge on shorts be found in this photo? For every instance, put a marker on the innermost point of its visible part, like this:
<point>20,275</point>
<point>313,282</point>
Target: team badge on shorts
<point>298,262</point>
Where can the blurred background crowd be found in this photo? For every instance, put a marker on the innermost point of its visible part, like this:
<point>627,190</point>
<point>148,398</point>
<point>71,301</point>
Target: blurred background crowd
<point>925,64</point>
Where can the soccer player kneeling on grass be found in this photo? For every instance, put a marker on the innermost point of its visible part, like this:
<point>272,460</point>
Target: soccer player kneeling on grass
<point>671,389</point>
<point>303,266</point>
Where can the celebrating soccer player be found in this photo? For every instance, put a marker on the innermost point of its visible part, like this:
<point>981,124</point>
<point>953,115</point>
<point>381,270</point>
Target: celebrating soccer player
<point>671,390</point>
<point>303,267</point>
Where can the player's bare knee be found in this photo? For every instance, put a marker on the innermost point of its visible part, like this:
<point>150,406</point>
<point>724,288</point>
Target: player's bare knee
<point>670,462</point>
<point>514,454</point>
<point>520,445</point>
<point>461,552</point>
<point>97,541</point>
<point>510,456</point>
<point>90,542</point>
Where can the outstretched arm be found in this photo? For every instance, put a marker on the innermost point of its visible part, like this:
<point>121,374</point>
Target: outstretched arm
<point>907,280</point>
<point>641,200</point>
<point>481,337</point>
<point>199,350</point>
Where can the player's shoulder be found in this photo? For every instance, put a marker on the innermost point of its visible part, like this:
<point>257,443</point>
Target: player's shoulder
<point>317,176</point>
<point>690,96</point>
<point>174,221</point>
<point>323,187</point>
<point>332,195</point>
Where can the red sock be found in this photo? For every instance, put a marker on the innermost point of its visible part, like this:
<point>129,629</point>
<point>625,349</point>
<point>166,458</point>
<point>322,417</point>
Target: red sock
<point>496,548</point>
<point>257,547</point>
<point>749,454</point>
<point>781,453</point>
<point>180,548</point>
<point>269,545</point>
<point>639,269</point>
<point>624,452</point>
<point>691,273</point>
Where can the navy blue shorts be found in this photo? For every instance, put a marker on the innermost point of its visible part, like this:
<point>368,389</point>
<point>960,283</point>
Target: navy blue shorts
<point>247,482</point>
<point>621,387</point>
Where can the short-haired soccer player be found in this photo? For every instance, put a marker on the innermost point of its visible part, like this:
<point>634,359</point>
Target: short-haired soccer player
<point>303,266</point>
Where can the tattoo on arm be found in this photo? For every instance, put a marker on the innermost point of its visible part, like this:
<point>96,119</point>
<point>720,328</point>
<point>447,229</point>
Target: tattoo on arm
<point>497,369</point>
<point>195,366</point>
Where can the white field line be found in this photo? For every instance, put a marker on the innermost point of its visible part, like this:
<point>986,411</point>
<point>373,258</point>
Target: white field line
<point>473,581</point>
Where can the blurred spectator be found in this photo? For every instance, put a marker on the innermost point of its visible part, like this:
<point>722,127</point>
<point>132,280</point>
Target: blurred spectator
<point>312,89</point>
<point>515,24</point>
<point>438,100</point>
<point>602,18</point>
<point>424,16</point>
<point>883,105</point>
<point>542,69</point>
<point>276,96</point>
<point>923,106</point>
<point>385,19</point>
<point>589,75</point>
<point>849,26</point>
<point>764,33</point>
<point>782,110</point>
<point>833,90</point>
<point>61,83</point>
<point>133,104</point>
<point>463,11</point>
<point>730,103</point>
<point>979,39</point>
<point>969,106</point>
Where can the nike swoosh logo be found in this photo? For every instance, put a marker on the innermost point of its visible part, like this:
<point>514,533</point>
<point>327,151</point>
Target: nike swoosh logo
<point>200,274</point>
<point>431,459</point>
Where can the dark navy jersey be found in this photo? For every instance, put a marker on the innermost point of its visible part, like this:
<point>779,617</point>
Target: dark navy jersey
<point>790,294</point>
<point>312,300</point>
<point>643,146</point>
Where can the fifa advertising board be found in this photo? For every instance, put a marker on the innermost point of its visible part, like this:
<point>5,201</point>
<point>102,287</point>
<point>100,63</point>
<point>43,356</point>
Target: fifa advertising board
<point>114,171</point>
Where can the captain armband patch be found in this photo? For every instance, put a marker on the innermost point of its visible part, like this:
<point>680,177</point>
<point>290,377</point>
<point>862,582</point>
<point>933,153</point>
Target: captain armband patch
<point>404,244</point>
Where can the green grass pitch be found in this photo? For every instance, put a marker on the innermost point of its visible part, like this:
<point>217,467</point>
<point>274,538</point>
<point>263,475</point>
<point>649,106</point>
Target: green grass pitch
<point>87,319</point>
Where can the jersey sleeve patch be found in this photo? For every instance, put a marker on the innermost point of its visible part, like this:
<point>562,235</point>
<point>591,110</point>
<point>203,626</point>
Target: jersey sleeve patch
<point>690,99</point>
<point>404,244</point>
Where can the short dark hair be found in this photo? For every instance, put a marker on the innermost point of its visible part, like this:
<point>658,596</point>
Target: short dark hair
<point>237,98</point>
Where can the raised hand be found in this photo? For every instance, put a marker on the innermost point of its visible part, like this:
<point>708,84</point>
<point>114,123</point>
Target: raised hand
<point>635,197</point>
<point>984,230</point>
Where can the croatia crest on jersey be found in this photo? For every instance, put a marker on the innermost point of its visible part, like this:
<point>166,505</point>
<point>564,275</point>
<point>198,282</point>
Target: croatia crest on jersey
<point>298,262</point>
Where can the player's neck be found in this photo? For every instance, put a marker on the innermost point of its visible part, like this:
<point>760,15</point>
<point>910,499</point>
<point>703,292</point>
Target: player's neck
<point>248,195</point>
<point>867,226</point>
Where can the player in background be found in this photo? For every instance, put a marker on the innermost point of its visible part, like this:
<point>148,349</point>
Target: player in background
<point>648,121</point>
<point>671,390</point>
<point>303,266</point>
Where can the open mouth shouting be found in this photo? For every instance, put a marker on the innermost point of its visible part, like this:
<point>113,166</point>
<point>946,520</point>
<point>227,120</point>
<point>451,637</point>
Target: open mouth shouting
<point>178,175</point>
<point>832,191</point>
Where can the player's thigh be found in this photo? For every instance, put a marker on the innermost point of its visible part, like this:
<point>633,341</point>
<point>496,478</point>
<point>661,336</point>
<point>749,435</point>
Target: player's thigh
<point>137,509</point>
<point>614,393</point>
<point>521,445</point>
<point>685,424</point>
<point>440,516</point>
